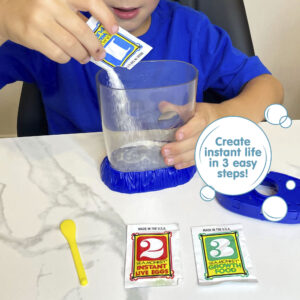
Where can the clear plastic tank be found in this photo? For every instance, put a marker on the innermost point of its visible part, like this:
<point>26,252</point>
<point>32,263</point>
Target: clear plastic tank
<point>142,108</point>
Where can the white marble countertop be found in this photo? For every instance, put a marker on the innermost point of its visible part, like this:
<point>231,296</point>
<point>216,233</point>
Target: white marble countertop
<point>44,180</point>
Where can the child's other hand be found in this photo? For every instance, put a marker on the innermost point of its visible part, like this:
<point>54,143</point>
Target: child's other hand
<point>254,98</point>
<point>54,27</point>
<point>180,154</point>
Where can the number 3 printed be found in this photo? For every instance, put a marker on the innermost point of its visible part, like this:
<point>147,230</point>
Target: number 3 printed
<point>221,248</point>
<point>225,163</point>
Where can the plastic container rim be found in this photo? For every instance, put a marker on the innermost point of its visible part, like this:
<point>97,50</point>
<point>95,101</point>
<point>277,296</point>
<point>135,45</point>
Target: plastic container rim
<point>148,88</point>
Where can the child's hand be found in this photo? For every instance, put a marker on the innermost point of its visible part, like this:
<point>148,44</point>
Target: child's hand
<point>180,154</point>
<point>254,98</point>
<point>54,28</point>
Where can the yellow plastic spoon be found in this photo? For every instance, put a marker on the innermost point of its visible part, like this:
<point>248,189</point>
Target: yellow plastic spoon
<point>68,229</point>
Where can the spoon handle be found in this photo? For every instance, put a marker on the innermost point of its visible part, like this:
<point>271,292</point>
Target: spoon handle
<point>78,263</point>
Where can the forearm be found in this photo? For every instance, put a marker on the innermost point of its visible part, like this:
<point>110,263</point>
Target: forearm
<point>255,97</point>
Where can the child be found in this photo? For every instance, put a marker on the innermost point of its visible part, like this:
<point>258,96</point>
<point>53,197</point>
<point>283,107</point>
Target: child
<point>174,31</point>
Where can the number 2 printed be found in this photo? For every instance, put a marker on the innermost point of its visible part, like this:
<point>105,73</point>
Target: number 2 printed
<point>155,248</point>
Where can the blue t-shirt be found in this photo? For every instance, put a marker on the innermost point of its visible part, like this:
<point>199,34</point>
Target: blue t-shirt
<point>176,32</point>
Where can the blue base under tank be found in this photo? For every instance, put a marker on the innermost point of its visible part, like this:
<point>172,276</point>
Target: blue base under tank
<point>146,181</point>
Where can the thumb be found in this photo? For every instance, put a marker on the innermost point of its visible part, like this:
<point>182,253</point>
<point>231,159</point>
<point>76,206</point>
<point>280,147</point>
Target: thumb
<point>184,111</point>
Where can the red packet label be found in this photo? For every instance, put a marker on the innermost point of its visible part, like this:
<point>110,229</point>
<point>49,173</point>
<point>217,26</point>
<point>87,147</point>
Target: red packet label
<point>151,256</point>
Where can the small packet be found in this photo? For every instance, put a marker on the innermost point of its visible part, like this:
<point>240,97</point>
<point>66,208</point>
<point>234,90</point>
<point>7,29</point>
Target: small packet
<point>221,254</point>
<point>152,257</point>
<point>122,49</point>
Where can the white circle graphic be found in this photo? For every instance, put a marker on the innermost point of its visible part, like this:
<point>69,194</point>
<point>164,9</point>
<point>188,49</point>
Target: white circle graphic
<point>274,208</point>
<point>290,185</point>
<point>233,155</point>
<point>286,122</point>
<point>207,193</point>
<point>274,114</point>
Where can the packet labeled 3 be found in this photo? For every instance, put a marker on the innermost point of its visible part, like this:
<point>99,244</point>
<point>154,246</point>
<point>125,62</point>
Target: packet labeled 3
<point>152,257</point>
<point>122,49</point>
<point>221,254</point>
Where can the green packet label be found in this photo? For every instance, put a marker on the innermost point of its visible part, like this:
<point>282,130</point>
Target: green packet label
<point>122,49</point>
<point>221,254</point>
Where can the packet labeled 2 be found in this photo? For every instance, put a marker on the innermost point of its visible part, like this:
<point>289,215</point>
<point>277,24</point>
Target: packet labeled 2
<point>152,257</point>
<point>122,49</point>
<point>221,254</point>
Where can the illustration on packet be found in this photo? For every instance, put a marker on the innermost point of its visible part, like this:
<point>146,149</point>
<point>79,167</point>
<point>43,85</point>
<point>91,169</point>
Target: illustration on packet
<point>122,49</point>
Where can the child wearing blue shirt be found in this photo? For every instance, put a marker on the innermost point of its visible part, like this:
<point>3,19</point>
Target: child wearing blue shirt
<point>62,44</point>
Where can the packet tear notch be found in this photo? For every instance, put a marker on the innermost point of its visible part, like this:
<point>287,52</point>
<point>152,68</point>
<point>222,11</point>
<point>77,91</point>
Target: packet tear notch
<point>122,49</point>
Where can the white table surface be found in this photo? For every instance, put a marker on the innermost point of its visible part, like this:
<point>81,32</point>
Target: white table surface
<point>44,180</point>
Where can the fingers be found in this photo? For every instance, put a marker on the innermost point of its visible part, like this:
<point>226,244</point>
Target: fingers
<point>184,111</point>
<point>185,157</point>
<point>165,106</point>
<point>27,30</point>
<point>175,148</point>
<point>100,11</point>
<point>67,42</point>
<point>181,152</point>
<point>80,40</point>
<point>80,30</point>
<point>193,127</point>
<point>54,27</point>
<point>82,17</point>
<point>184,165</point>
<point>42,44</point>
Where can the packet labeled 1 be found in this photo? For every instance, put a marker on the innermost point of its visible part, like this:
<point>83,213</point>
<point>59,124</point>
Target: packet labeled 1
<point>122,49</point>
<point>221,254</point>
<point>152,257</point>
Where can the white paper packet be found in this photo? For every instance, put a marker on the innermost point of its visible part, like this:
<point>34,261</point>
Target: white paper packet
<point>221,254</point>
<point>122,49</point>
<point>152,256</point>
